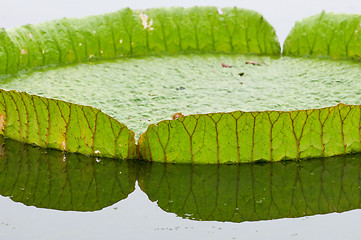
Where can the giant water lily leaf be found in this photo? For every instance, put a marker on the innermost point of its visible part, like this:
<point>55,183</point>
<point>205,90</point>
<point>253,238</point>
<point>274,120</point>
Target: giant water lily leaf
<point>51,123</point>
<point>136,33</point>
<point>55,180</point>
<point>253,192</point>
<point>270,135</point>
<point>326,34</point>
<point>200,138</point>
<point>54,124</point>
<point>141,91</point>
<point>252,136</point>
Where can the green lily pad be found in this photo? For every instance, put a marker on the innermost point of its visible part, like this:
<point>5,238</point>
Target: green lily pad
<point>141,91</point>
<point>145,89</point>
<point>326,35</point>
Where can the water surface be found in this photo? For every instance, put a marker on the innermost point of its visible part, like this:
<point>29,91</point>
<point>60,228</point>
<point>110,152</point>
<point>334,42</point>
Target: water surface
<point>54,195</point>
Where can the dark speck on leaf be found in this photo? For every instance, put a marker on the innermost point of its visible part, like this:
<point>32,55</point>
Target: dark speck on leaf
<point>254,63</point>
<point>180,88</point>
<point>241,74</point>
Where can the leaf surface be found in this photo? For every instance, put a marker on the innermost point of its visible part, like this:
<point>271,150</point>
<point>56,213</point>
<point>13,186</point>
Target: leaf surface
<point>129,33</point>
<point>202,138</point>
<point>252,136</point>
<point>56,124</point>
<point>326,34</point>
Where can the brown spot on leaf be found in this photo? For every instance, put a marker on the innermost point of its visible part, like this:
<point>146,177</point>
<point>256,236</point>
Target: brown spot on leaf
<point>226,65</point>
<point>177,115</point>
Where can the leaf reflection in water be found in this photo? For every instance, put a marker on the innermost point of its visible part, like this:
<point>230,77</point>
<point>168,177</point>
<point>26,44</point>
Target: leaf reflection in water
<point>229,193</point>
<point>51,179</point>
<point>252,192</point>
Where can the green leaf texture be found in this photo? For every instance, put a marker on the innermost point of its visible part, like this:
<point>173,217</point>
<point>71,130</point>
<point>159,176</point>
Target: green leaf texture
<point>252,192</point>
<point>64,126</point>
<point>55,180</point>
<point>326,34</point>
<point>252,136</point>
<point>136,33</point>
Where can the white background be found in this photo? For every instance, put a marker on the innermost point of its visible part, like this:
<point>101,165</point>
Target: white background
<point>282,14</point>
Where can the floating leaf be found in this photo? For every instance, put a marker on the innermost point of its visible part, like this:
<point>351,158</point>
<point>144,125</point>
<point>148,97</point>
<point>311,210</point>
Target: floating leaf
<point>55,180</point>
<point>136,33</point>
<point>205,138</point>
<point>326,34</point>
<point>64,126</point>
<point>55,124</point>
<point>253,192</point>
<point>252,136</point>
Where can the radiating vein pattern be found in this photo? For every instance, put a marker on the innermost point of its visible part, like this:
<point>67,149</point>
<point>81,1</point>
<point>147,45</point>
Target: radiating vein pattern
<point>253,192</point>
<point>326,34</point>
<point>56,124</point>
<point>252,136</point>
<point>135,33</point>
